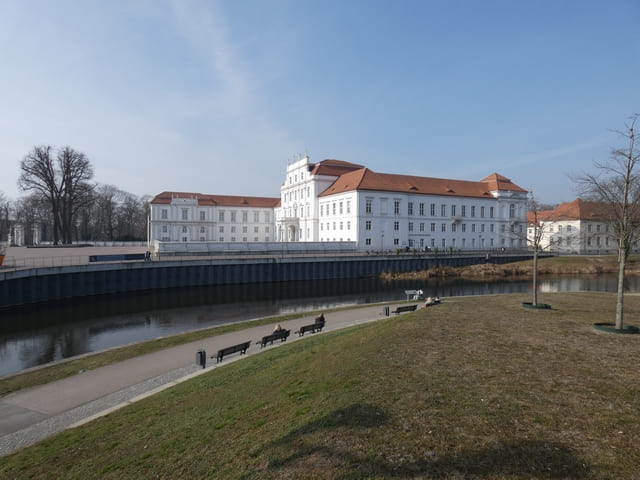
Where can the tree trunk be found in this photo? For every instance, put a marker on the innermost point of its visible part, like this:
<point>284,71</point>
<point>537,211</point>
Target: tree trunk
<point>535,275</point>
<point>620,297</point>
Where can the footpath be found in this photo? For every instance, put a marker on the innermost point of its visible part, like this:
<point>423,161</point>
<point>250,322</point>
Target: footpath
<point>33,414</point>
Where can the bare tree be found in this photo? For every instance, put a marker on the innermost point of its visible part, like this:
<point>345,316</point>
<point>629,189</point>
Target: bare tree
<point>616,185</point>
<point>63,182</point>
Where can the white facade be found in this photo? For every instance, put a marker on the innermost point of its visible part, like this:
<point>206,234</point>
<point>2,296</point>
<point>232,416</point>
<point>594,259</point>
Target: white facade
<point>336,201</point>
<point>577,227</point>
<point>389,220</point>
<point>191,217</point>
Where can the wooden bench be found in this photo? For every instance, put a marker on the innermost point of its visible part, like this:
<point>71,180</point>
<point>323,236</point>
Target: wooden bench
<point>241,347</point>
<point>282,335</point>
<point>405,308</point>
<point>314,327</point>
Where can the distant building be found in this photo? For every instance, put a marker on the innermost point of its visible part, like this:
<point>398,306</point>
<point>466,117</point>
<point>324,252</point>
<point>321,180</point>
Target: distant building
<point>580,227</point>
<point>338,201</point>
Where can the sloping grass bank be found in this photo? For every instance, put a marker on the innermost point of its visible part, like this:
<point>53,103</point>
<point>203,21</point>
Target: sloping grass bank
<point>477,387</point>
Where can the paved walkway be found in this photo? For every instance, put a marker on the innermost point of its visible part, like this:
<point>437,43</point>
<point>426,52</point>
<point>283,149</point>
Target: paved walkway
<point>33,414</point>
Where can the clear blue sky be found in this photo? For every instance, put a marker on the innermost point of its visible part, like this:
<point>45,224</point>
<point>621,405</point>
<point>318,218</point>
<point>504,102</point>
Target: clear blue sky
<point>216,97</point>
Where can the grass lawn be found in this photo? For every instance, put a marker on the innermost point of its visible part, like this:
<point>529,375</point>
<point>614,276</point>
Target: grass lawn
<point>477,387</point>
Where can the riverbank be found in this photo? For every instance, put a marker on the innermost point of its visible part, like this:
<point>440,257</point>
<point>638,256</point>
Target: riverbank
<point>569,265</point>
<point>481,388</point>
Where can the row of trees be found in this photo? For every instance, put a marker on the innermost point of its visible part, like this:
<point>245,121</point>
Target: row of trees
<point>64,205</point>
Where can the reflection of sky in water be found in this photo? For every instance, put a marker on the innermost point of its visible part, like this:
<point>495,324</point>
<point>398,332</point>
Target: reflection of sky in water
<point>20,350</point>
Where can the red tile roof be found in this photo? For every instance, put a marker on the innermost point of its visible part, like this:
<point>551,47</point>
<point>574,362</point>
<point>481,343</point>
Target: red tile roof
<point>219,200</point>
<point>333,168</point>
<point>577,210</point>
<point>365,179</point>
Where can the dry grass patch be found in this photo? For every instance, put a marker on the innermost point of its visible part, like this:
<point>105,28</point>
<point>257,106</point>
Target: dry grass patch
<point>477,387</point>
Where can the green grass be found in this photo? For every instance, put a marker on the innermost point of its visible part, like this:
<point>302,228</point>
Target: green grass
<point>477,387</point>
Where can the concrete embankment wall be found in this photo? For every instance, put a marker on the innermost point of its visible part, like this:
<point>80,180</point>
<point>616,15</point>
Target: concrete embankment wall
<point>47,284</point>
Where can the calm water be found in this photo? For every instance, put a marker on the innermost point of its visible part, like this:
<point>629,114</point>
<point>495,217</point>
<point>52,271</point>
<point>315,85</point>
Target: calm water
<point>30,336</point>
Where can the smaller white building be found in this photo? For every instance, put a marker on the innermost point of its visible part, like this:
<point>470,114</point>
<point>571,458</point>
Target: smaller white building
<point>194,217</point>
<point>578,227</point>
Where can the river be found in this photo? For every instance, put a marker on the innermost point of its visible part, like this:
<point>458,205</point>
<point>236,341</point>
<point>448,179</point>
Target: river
<point>33,336</point>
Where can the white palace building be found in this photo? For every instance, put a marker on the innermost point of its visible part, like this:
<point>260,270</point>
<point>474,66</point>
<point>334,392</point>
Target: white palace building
<point>337,201</point>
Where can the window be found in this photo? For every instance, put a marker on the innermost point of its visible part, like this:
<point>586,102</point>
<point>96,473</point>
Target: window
<point>482,227</point>
<point>396,241</point>
<point>491,210</point>
<point>333,208</point>
<point>396,207</point>
<point>203,215</point>
<point>443,227</point>
<point>233,216</point>
<point>411,226</point>
<point>245,217</point>
<point>464,210</point>
<point>348,207</point>
<point>443,210</point>
<point>256,230</point>
<point>454,227</point>
<point>233,239</point>
<point>221,229</point>
<point>233,229</point>
<point>340,208</point>
<point>433,227</point>
<point>184,239</point>
<point>453,210</point>
<point>473,211</point>
<point>464,227</point>
<point>367,207</point>
<point>367,225</point>
<point>340,225</point>
<point>221,239</point>
<point>256,217</point>
<point>266,230</point>
<point>560,228</point>
<point>184,229</point>
<point>367,241</point>
<point>422,209</point>
<point>481,212</point>
<point>568,228</point>
<point>492,228</point>
<point>410,208</point>
<point>512,211</point>
<point>598,228</point>
<point>244,229</point>
<point>321,210</point>
<point>185,214</point>
<point>589,228</point>
<point>221,216</point>
<point>267,216</point>
<point>348,225</point>
<point>396,225</point>
<point>473,227</point>
<point>202,230</point>
<point>165,214</point>
<point>432,209</point>
<point>422,226</point>
<point>164,229</point>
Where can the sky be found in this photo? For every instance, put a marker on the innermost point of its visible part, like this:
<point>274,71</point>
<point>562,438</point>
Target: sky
<point>218,97</point>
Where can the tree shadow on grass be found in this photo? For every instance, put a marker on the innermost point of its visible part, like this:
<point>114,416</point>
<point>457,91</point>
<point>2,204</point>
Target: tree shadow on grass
<point>525,459</point>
